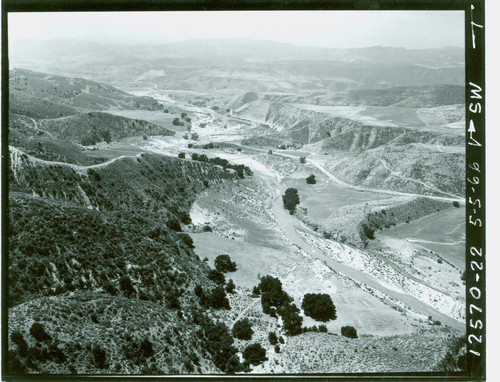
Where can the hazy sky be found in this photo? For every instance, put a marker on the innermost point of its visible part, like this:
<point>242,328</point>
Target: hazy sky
<point>335,29</point>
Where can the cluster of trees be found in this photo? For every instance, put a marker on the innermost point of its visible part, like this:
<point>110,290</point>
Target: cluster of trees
<point>177,122</point>
<point>319,306</point>
<point>241,170</point>
<point>95,137</point>
<point>215,298</point>
<point>45,349</point>
<point>291,199</point>
<point>275,301</point>
<point>224,264</point>
<point>219,342</point>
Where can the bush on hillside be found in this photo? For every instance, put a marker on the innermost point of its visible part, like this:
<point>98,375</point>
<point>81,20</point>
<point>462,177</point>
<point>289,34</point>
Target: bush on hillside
<point>254,354</point>
<point>224,264</point>
<point>174,225</point>
<point>216,276</point>
<point>349,331</point>
<point>319,306</point>
<point>242,329</point>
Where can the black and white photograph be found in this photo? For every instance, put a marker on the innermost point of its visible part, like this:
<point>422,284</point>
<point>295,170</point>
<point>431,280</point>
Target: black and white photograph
<point>243,192</point>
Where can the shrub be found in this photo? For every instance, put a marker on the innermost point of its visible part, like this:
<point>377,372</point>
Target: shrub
<point>302,159</point>
<point>242,329</point>
<point>254,354</point>
<point>38,332</point>
<point>218,298</point>
<point>456,204</point>
<point>182,155</point>
<point>126,286</point>
<point>22,345</point>
<point>207,228</point>
<point>277,349</point>
<point>205,183</point>
<point>322,329</point>
<point>224,264</point>
<point>186,239</point>
<point>230,286</point>
<point>348,331</point>
<point>216,276</point>
<point>319,306</point>
<point>273,338</point>
<point>368,231</point>
<point>175,122</point>
<point>270,152</point>
<point>184,217</point>
<point>311,179</point>
<point>99,356</point>
<point>174,225</point>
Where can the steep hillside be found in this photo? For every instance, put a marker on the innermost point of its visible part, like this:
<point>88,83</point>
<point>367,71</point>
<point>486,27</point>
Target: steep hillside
<point>25,135</point>
<point>41,95</point>
<point>90,128</point>
<point>144,182</point>
<point>100,280</point>
<point>411,168</point>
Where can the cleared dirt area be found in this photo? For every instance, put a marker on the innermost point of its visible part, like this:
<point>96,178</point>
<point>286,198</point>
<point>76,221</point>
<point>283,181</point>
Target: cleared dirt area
<point>324,197</point>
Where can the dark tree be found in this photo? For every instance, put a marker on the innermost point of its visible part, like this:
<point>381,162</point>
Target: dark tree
<point>368,231</point>
<point>198,290</point>
<point>302,159</point>
<point>233,364</point>
<point>322,329</point>
<point>216,276</point>
<point>22,345</point>
<point>230,286</point>
<point>99,356</point>
<point>184,217</point>
<point>186,239</point>
<point>218,298</point>
<point>224,264</point>
<point>174,225</point>
<point>242,329</point>
<point>291,199</point>
<point>175,122</point>
<point>38,332</point>
<point>254,354</point>
<point>319,306</point>
<point>126,286</point>
<point>311,179</point>
<point>273,338</point>
<point>181,155</point>
<point>348,331</point>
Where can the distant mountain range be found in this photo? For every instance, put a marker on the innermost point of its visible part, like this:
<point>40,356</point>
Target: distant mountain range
<point>229,49</point>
